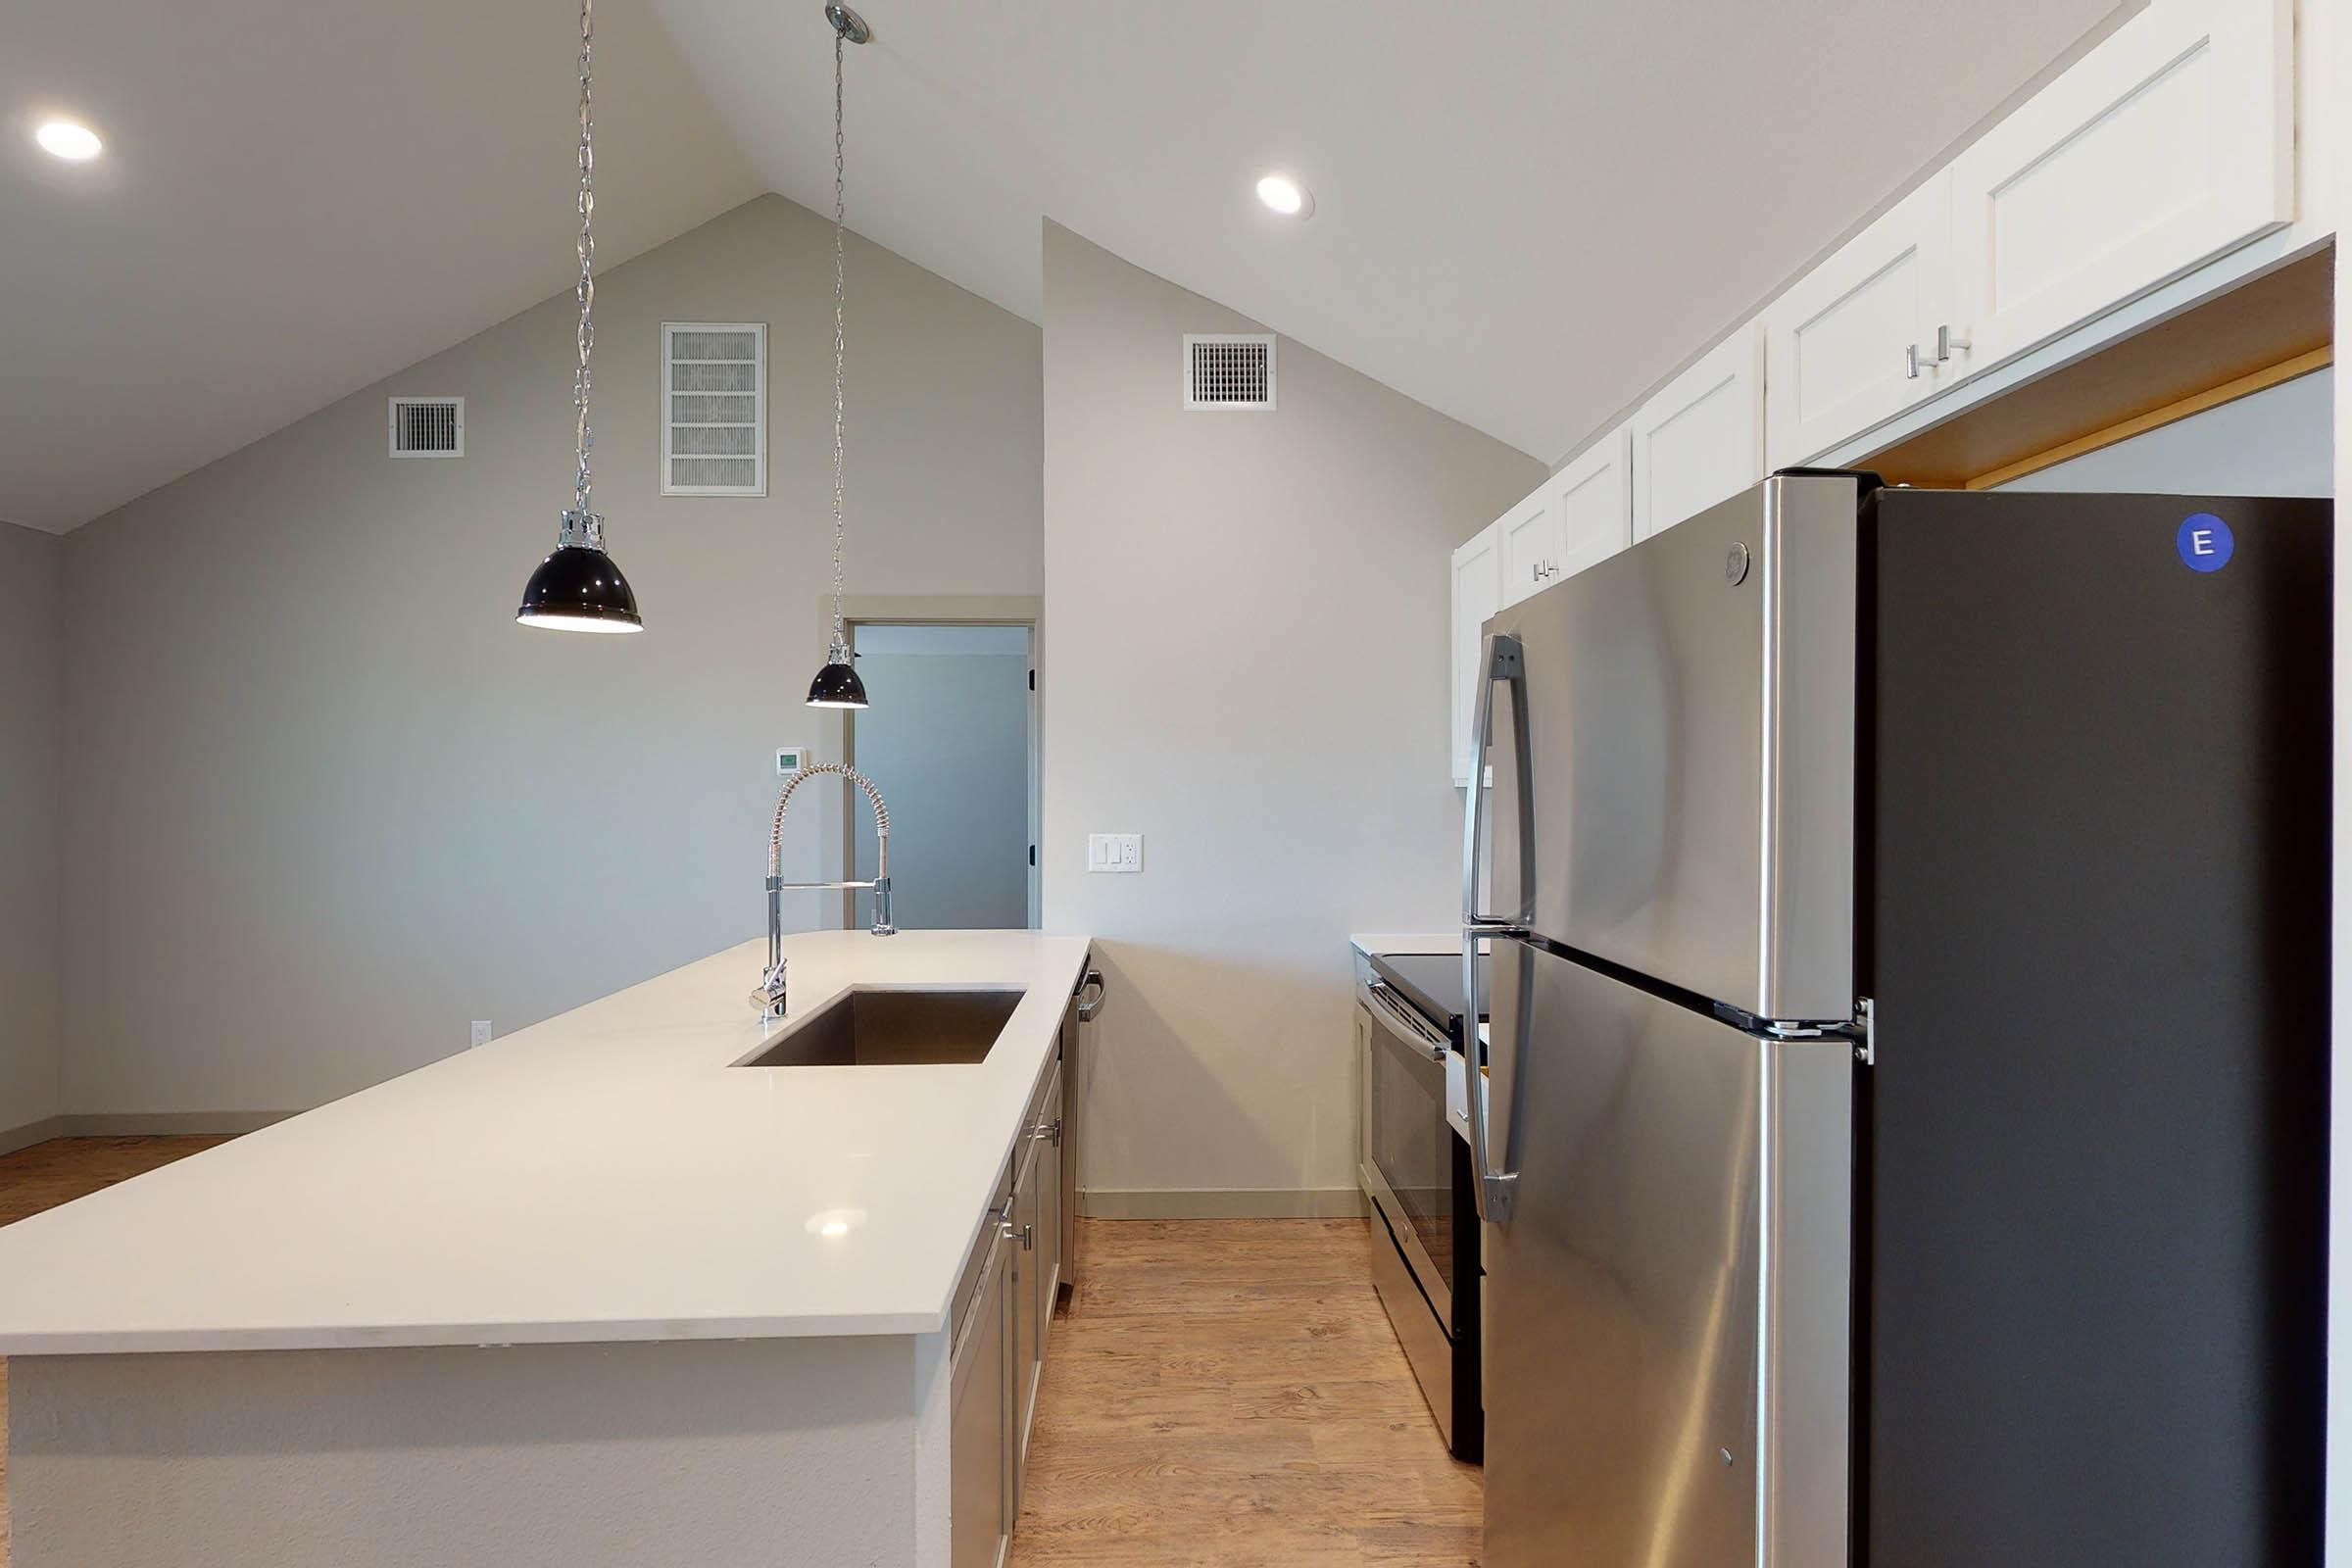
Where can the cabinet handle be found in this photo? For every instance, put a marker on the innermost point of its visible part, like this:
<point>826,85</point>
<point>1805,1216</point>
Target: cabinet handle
<point>1912,359</point>
<point>1045,1129</point>
<point>1945,343</point>
<point>1028,1237</point>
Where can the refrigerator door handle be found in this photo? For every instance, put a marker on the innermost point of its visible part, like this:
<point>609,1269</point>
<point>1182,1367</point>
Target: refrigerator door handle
<point>1501,660</point>
<point>1495,1184</point>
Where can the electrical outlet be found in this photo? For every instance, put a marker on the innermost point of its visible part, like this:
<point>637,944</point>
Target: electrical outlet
<point>1114,851</point>
<point>479,1034</point>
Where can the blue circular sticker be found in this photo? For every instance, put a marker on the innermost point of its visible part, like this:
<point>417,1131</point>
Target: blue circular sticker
<point>2205,542</point>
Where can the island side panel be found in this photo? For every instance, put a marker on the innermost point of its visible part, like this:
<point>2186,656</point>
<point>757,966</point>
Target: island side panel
<point>759,1452</point>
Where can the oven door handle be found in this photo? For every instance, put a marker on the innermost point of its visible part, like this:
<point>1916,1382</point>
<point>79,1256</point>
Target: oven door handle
<point>1400,1023</point>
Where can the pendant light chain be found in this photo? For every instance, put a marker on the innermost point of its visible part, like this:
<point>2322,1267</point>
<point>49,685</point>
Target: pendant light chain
<point>586,291</point>
<point>840,639</point>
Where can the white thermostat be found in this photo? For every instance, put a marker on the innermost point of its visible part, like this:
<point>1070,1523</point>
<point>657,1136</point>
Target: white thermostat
<point>790,760</point>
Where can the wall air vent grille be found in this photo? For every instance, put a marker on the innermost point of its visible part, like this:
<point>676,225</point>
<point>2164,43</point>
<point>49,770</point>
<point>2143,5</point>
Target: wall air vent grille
<point>1229,371</point>
<point>715,398</point>
<point>428,427</point>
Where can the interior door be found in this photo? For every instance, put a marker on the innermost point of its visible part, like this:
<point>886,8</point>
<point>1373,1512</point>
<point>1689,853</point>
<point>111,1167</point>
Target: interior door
<point>1622,1291</point>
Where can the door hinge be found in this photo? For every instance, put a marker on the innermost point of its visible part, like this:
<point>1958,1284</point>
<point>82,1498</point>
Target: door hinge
<point>1866,1032</point>
<point>1032,855</point>
<point>1033,680</point>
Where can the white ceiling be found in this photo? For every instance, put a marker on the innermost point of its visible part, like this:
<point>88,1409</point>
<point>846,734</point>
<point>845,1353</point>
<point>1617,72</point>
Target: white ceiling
<point>297,199</point>
<point>1528,211</point>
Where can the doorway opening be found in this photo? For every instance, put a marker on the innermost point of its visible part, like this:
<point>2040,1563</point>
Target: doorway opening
<point>951,741</point>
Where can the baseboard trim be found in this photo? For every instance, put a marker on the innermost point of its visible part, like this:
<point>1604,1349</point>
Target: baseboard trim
<point>1222,1202</point>
<point>13,1139</point>
<point>168,1123</point>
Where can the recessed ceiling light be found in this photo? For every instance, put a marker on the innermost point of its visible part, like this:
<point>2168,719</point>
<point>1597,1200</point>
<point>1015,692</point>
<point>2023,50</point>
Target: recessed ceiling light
<point>67,140</point>
<point>1286,196</point>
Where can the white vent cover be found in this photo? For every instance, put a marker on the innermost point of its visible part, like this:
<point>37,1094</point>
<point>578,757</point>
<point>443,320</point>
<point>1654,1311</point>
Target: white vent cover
<point>714,399</point>
<point>428,427</point>
<point>1229,371</point>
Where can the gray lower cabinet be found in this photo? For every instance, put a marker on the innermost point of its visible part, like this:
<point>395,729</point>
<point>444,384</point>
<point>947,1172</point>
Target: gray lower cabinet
<point>979,1438</point>
<point>1004,1314</point>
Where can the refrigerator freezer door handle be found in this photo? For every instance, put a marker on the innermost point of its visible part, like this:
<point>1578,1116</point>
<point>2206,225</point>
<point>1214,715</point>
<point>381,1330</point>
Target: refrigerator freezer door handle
<point>1501,660</point>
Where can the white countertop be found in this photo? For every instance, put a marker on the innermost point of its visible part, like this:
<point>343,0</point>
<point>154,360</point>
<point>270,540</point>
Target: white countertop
<point>1370,942</point>
<point>604,1175</point>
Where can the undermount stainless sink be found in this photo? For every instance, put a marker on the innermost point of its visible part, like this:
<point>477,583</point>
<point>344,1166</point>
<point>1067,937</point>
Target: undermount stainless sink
<point>893,1026</point>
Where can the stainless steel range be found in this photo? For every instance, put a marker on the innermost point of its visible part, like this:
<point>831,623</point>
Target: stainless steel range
<point>1416,1171</point>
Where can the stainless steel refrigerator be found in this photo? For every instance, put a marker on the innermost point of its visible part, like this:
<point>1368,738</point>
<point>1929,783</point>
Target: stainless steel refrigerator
<point>1905,1135</point>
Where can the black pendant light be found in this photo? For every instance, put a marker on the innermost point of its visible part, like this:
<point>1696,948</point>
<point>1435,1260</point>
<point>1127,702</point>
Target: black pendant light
<point>836,684</point>
<point>579,588</point>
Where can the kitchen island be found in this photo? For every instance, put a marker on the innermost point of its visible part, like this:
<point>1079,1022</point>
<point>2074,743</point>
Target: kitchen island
<point>593,1292</point>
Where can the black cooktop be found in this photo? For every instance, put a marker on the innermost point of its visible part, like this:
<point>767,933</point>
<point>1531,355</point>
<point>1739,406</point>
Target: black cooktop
<point>1431,984</point>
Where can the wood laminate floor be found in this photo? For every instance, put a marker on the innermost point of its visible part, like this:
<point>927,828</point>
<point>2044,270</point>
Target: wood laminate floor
<point>1221,1393</point>
<point>1229,1392</point>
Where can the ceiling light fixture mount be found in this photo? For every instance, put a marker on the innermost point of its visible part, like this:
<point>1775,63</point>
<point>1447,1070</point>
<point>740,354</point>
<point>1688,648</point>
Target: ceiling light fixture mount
<point>69,139</point>
<point>1285,195</point>
<point>836,684</point>
<point>578,587</point>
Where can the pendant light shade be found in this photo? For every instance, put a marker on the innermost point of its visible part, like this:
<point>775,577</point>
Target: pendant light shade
<point>578,587</point>
<point>836,684</point>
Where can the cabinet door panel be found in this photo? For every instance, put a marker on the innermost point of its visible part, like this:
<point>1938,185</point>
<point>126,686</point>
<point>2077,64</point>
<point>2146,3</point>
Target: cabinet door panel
<point>1592,496</point>
<point>1026,1255</point>
<point>977,1426</point>
<point>2169,143</point>
<point>1531,545</point>
<point>1050,1152</point>
<point>1835,344</point>
<point>1701,438</point>
<point>1477,595</point>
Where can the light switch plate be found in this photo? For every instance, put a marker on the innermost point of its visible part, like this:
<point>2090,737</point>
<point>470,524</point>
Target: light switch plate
<point>1114,851</point>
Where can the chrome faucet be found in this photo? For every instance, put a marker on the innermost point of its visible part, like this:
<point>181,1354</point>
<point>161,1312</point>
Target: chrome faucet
<point>769,998</point>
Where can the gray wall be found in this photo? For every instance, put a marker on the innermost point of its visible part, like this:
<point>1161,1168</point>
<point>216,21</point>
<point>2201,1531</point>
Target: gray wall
<point>325,801</point>
<point>947,743</point>
<point>31,588</point>
<point>1246,663</point>
<point>2278,442</point>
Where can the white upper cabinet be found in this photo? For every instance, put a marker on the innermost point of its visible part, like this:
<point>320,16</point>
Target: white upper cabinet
<point>1582,513</point>
<point>1592,496</point>
<point>1532,543</point>
<point>1701,438</point>
<point>1854,341</point>
<point>2166,144</point>
<point>1477,595</point>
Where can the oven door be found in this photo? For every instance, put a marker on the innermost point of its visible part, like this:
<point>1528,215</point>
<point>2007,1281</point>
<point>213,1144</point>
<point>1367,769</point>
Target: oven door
<point>1408,1145</point>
